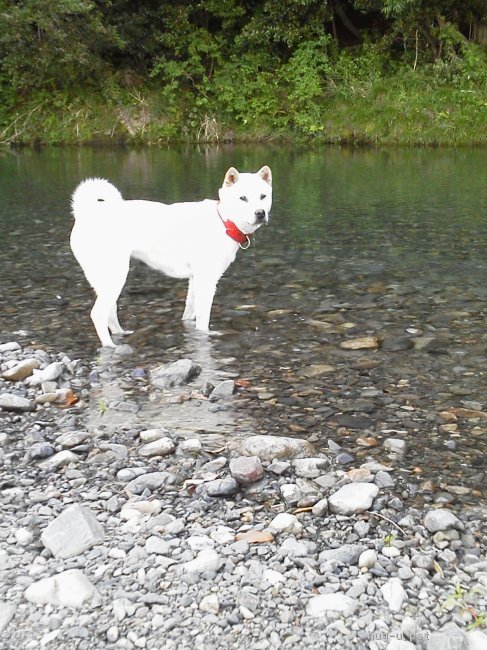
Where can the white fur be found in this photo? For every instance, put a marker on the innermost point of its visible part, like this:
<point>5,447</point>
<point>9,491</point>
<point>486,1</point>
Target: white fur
<point>183,240</point>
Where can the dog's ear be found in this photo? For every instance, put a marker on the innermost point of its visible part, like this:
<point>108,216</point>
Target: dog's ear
<point>231,177</point>
<point>266,174</point>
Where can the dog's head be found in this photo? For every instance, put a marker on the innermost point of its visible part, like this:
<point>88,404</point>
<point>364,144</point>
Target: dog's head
<point>246,199</point>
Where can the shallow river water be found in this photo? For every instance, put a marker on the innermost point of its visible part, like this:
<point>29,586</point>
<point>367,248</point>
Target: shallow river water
<point>390,245</point>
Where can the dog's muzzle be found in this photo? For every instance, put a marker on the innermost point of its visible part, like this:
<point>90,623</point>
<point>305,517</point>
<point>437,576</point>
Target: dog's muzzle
<point>260,216</point>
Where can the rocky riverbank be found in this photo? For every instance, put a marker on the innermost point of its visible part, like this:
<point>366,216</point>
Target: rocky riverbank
<point>146,538</point>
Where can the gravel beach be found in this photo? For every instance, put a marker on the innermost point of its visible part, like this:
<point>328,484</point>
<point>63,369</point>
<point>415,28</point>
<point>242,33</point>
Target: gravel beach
<point>140,537</point>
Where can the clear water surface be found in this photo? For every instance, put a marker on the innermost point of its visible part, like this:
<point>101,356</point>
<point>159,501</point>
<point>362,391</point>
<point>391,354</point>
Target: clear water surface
<point>389,244</point>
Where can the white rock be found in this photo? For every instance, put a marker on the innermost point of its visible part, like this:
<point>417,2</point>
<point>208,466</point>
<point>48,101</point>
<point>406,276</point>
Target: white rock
<point>394,594</point>
<point>319,605</point>
<point>74,531</point>
<point>400,644</point>
<point>353,498</point>
<point>149,435</point>
<point>272,577</point>
<point>294,548</point>
<point>285,522</point>
<point>477,640</point>
<point>156,545</point>
<point>210,604</point>
<point>7,612</point>
<point>11,346</point>
<point>206,560</point>
<point>24,536</point>
<point>191,446</point>
<point>367,559</point>
<point>68,589</point>
<point>223,535</point>
<point>200,542</point>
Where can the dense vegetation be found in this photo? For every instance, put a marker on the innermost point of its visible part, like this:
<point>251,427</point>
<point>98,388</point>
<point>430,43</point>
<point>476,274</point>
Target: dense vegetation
<point>406,71</point>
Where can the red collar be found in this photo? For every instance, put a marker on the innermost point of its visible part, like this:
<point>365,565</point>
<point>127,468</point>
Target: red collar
<point>234,232</point>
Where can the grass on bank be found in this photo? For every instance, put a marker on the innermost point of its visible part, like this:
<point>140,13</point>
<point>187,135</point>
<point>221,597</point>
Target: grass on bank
<point>309,99</point>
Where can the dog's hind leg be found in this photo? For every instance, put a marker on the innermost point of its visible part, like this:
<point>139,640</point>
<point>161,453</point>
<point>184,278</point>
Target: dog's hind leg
<point>108,289</point>
<point>114,325</point>
<point>189,311</point>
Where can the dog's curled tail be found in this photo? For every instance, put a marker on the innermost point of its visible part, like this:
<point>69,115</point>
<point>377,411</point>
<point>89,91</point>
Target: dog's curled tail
<point>91,193</point>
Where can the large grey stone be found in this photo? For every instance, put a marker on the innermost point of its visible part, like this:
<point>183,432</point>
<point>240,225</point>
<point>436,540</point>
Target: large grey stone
<point>441,519</point>
<point>347,555</point>
<point>74,531</point>
<point>450,636</point>
<point>16,403</point>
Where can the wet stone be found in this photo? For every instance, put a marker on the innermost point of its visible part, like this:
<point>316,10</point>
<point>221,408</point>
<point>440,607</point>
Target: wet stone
<point>223,390</point>
<point>175,374</point>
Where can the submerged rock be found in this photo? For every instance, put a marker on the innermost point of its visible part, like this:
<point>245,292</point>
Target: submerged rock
<point>175,374</point>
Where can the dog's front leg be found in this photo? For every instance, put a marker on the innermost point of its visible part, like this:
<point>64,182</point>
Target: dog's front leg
<point>204,292</point>
<point>189,310</point>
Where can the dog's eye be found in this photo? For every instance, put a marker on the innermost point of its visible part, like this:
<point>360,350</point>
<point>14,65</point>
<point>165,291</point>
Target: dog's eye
<point>100,200</point>
<point>244,198</point>
<point>262,196</point>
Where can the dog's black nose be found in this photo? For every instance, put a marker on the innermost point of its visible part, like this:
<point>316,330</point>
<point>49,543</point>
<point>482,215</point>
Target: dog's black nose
<point>260,215</point>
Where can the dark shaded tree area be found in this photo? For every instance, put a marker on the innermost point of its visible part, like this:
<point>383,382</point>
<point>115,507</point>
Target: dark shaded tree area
<point>263,57</point>
<point>65,43</point>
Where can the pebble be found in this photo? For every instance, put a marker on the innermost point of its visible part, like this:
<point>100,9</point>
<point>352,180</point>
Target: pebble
<point>367,559</point>
<point>286,523</point>
<point>206,560</point>
<point>394,594</point>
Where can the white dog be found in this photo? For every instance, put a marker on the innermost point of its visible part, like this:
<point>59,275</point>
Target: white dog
<point>198,241</point>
